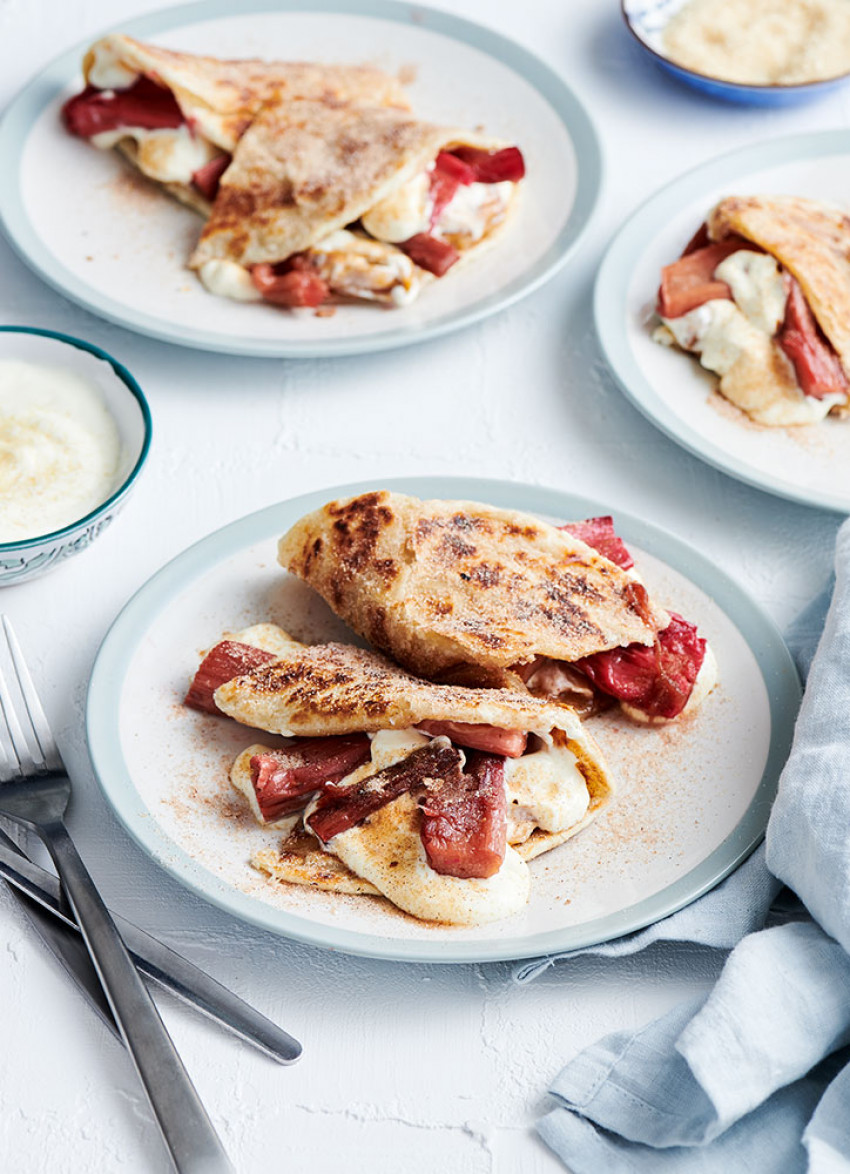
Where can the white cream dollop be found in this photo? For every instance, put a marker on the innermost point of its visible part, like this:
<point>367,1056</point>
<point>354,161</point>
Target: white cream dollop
<point>167,154</point>
<point>59,449</point>
<point>108,71</point>
<point>761,42</point>
<point>228,279</point>
<point>403,214</point>
<point>757,287</point>
<point>718,332</point>
<point>474,209</point>
<point>545,788</point>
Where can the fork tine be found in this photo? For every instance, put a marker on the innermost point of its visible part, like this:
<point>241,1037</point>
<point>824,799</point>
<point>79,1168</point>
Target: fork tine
<point>40,727</point>
<point>17,751</point>
<point>9,765</point>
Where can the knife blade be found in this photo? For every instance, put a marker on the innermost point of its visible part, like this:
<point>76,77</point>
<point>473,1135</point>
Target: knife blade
<point>156,960</point>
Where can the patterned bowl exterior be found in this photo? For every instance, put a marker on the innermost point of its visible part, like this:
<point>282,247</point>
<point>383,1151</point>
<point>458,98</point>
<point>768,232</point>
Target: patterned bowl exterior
<point>36,560</point>
<point>646,20</point>
<point>31,557</point>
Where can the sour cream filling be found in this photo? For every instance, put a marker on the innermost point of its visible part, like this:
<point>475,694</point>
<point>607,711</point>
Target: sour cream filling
<point>545,788</point>
<point>473,210</point>
<point>403,214</point>
<point>719,330</point>
<point>167,154</point>
<point>370,269</point>
<point>108,71</point>
<point>228,279</point>
<point>469,215</point>
<point>757,288</point>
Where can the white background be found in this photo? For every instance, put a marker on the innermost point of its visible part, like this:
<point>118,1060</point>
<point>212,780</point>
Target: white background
<point>413,1068</point>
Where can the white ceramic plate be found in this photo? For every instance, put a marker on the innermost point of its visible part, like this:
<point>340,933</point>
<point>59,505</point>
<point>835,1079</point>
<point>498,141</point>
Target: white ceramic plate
<point>693,801</point>
<point>808,464</point>
<point>119,247</point>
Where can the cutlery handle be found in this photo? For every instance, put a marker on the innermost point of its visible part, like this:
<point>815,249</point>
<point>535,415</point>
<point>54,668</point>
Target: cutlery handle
<point>188,1132</point>
<point>152,957</point>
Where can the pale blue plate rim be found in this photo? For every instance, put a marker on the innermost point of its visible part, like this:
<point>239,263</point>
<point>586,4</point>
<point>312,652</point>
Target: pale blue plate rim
<point>128,630</point>
<point>611,292</point>
<point>38,93</point>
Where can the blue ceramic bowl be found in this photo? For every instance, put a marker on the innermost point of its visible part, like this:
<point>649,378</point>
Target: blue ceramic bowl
<point>127,405</point>
<point>646,21</point>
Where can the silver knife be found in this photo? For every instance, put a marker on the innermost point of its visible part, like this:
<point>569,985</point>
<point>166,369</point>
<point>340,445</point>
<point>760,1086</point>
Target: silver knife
<point>67,947</point>
<point>156,960</point>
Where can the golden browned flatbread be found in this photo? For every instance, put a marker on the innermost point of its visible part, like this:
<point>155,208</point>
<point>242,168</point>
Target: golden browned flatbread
<point>812,241</point>
<point>221,98</point>
<point>303,170</point>
<point>301,860</point>
<point>218,99</point>
<point>324,689</point>
<point>438,584</point>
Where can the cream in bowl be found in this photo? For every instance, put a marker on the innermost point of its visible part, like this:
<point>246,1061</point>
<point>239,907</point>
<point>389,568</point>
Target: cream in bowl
<point>74,433</point>
<point>758,52</point>
<point>761,42</point>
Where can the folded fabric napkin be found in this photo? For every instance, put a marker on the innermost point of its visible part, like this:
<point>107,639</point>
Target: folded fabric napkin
<point>756,1076</point>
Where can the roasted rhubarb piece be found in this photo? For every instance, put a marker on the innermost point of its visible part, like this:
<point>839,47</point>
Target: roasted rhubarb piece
<point>819,371</point>
<point>657,680</point>
<point>206,179</point>
<point>341,808</point>
<point>284,778</point>
<point>143,105</point>
<point>430,253</point>
<point>492,166</point>
<point>464,820</point>
<point>448,175</point>
<point>510,743</point>
<point>227,660</point>
<point>690,281</point>
<point>291,283</point>
<point>600,534</point>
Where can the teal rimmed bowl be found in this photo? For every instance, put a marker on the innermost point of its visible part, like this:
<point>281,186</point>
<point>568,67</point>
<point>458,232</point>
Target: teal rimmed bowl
<point>27,557</point>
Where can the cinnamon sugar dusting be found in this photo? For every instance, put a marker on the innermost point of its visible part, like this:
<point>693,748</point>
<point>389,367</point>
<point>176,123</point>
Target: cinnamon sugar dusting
<point>729,411</point>
<point>134,190</point>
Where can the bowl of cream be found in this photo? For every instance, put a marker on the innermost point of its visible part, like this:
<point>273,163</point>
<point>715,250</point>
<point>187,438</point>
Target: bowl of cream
<point>760,52</point>
<point>75,430</point>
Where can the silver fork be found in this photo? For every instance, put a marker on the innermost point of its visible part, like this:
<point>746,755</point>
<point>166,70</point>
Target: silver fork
<point>35,793</point>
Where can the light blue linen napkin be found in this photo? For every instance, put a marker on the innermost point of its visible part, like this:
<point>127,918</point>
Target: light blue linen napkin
<point>755,1077</point>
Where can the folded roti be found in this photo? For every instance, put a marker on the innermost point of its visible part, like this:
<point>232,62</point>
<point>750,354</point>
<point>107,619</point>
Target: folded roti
<point>762,296</point>
<point>219,100</point>
<point>444,584</point>
<point>812,241</point>
<point>304,173</point>
<point>333,689</point>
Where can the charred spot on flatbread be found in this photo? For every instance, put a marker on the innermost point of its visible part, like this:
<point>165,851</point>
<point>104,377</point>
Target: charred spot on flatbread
<point>442,585</point>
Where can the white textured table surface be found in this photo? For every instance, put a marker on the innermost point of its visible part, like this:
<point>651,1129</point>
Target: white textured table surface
<point>411,1068</point>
